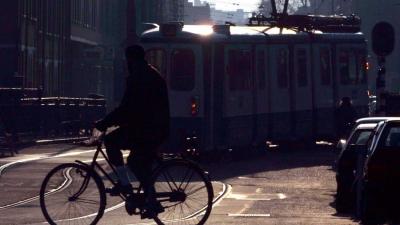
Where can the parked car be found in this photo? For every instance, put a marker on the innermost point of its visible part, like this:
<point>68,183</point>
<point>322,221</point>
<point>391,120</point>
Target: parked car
<point>342,142</point>
<point>346,165</point>
<point>381,180</point>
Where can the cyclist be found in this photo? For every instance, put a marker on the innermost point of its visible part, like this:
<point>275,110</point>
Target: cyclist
<point>143,121</point>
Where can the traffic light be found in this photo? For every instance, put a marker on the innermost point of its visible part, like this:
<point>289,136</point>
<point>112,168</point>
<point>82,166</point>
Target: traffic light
<point>383,39</point>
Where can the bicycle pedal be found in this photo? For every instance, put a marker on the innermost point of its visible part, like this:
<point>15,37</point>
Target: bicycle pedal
<point>112,192</point>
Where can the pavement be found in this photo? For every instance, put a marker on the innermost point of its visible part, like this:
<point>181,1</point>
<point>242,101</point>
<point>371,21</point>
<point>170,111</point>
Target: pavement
<point>278,187</point>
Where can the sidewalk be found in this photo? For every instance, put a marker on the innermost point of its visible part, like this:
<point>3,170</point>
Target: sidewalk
<point>36,146</point>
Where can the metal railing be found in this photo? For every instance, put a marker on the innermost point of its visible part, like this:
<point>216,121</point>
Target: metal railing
<point>25,111</point>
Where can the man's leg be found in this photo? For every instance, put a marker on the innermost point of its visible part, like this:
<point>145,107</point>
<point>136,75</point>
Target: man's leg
<point>115,142</point>
<point>140,161</point>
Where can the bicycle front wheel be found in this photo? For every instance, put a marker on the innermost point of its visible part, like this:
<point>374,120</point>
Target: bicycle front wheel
<point>72,194</point>
<point>184,191</point>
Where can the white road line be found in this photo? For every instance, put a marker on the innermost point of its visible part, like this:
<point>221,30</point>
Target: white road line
<point>248,215</point>
<point>226,189</point>
<point>4,167</point>
<point>28,200</point>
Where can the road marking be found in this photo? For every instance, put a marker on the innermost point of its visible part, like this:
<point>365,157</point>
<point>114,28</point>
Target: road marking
<point>28,200</point>
<point>248,215</point>
<point>4,167</point>
<point>282,196</point>
<point>256,197</point>
<point>226,189</point>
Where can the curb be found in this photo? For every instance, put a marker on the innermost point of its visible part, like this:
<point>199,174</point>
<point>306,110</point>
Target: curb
<point>25,144</point>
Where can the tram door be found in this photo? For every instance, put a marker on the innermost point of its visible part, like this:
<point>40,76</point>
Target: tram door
<point>302,92</point>
<point>182,68</point>
<point>238,95</point>
<point>280,114</point>
<point>323,90</point>
<point>261,96</point>
<point>351,76</point>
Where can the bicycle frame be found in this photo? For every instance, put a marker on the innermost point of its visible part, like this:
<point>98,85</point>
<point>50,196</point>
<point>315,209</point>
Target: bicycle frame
<point>167,196</point>
<point>94,164</point>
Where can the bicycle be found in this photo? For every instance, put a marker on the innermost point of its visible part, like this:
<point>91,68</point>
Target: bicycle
<point>75,192</point>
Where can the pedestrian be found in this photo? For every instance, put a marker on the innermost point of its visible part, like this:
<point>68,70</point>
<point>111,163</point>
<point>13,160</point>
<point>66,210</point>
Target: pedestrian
<point>345,117</point>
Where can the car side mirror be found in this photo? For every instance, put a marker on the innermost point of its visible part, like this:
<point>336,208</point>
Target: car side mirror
<point>341,144</point>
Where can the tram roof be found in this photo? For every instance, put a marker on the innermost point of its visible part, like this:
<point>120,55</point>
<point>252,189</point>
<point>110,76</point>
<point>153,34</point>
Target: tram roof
<point>241,33</point>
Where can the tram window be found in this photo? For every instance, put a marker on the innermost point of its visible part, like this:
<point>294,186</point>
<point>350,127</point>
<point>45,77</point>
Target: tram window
<point>325,66</point>
<point>282,68</point>
<point>261,69</point>
<point>239,70</point>
<point>353,70</point>
<point>182,77</point>
<point>302,68</point>
<point>157,58</point>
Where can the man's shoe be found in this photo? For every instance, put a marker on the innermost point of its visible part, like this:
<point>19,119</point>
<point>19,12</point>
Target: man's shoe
<point>118,189</point>
<point>152,210</point>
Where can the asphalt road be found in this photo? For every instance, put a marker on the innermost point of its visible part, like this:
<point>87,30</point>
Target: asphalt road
<point>278,187</point>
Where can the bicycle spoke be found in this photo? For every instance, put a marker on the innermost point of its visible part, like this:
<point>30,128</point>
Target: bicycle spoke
<point>196,190</point>
<point>71,181</point>
<point>170,178</point>
<point>182,178</point>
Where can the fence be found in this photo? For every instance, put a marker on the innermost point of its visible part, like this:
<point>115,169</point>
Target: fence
<point>25,111</point>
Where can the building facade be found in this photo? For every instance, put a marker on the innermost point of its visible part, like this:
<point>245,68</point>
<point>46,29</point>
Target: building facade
<point>238,17</point>
<point>34,36</point>
<point>66,47</point>
<point>197,13</point>
<point>157,11</point>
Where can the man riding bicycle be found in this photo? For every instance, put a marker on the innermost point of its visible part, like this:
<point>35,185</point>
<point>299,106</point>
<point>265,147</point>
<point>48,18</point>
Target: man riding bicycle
<point>143,121</point>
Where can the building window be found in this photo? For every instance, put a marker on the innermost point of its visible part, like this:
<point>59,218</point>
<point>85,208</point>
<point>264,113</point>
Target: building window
<point>239,69</point>
<point>302,78</point>
<point>261,69</point>
<point>282,67</point>
<point>325,66</point>
<point>157,58</point>
<point>183,69</point>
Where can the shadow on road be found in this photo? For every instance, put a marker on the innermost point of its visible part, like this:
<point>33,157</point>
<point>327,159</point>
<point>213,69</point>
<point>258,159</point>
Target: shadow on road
<point>243,163</point>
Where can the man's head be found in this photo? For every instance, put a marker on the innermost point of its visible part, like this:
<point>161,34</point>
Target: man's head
<point>134,53</point>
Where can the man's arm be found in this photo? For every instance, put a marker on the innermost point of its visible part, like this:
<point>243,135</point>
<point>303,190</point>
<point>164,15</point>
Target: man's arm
<point>119,115</point>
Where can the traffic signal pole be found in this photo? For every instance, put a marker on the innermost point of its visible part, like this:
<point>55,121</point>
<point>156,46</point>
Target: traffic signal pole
<point>380,86</point>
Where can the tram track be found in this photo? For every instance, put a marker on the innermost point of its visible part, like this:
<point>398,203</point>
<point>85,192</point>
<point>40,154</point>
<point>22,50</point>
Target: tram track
<point>29,200</point>
<point>225,190</point>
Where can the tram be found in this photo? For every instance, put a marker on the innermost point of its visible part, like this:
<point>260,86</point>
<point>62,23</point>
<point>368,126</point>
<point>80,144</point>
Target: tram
<point>237,86</point>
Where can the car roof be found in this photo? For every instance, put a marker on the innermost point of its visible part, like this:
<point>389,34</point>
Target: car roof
<point>375,119</point>
<point>393,120</point>
<point>366,126</point>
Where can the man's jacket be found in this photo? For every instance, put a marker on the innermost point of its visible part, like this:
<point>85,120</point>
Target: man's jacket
<point>144,108</point>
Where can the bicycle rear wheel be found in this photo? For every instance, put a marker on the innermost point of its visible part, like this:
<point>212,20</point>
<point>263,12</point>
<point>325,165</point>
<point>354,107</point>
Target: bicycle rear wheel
<point>72,194</point>
<point>185,192</point>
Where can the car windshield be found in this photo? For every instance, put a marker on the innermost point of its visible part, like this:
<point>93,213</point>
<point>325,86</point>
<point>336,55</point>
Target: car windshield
<point>361,137</point>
